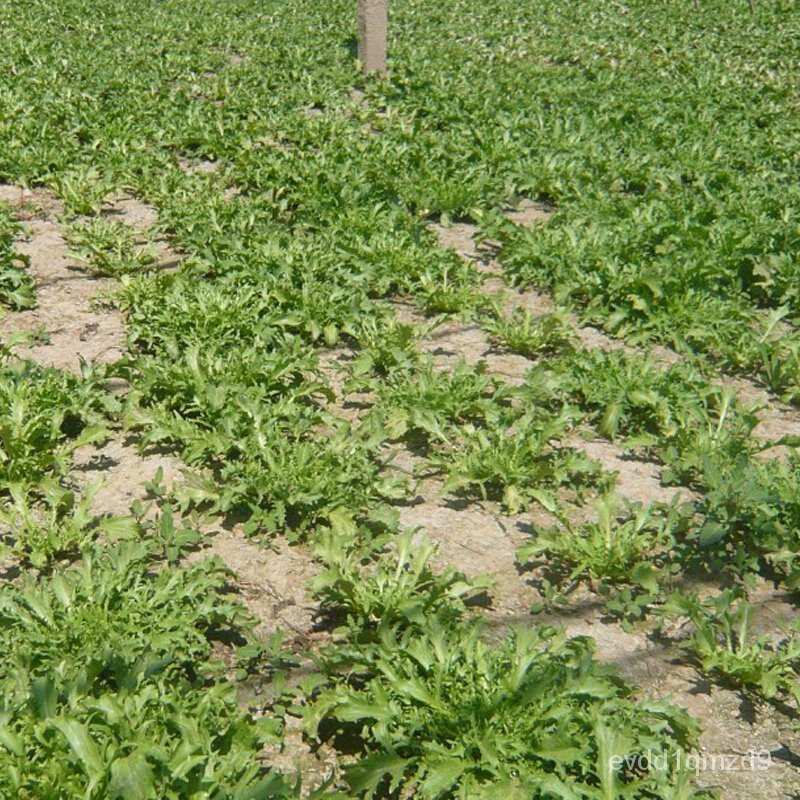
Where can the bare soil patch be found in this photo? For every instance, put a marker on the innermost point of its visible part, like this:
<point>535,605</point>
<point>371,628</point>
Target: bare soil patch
<point>476,539</point>
<point>272,581</point>
<point>198,167</point>
<point>123,471</point>
<point>72,322</point>
<point>142,217</point>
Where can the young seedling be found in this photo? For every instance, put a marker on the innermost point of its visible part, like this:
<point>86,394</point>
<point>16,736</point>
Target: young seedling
<point>726,646</point>
<point>510,459</point>
<point>83,190</point>
<point>532,336</point>
<point>17,287</point>
<point>109,247</point>
<point>626,544</point>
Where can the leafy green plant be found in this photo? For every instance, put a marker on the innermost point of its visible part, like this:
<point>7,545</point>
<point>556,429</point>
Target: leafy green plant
<point>428,402</point>
<point>173,538</point>
<point>386,346</point>
<point>725,645</point>
<point>109,247</point>
<point>704,438</point>
<point>59,526</point>
<point>532,336</point>
<point>443,713</point>
<point>676,223</point>
<point>509,462</point>
<point>628,543</point>
<point>633,399</point>
<point>446,715</point>
<point>17,288</point>
<point>623,545</point>
<point>402,588</point>
<point>451,291</point>
<point>45,415</point>
<point>248,424</point>
<point>82,189</point>
<point>108,687</point>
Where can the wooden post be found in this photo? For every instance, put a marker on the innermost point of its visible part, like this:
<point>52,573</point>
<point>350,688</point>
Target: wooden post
<point>373,24</point>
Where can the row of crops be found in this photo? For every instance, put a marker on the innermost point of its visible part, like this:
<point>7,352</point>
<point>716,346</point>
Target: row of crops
<point>272,362</point>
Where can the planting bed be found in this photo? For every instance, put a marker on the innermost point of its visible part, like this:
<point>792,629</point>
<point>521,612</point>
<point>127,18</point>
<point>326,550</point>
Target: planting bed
<point>433,436</point>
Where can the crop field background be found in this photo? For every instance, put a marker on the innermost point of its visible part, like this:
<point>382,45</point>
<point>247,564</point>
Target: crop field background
<point>426,437</point>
